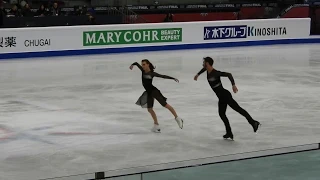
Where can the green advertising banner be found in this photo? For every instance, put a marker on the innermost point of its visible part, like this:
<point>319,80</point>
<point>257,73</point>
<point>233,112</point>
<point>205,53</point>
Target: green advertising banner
<point>136,36</point>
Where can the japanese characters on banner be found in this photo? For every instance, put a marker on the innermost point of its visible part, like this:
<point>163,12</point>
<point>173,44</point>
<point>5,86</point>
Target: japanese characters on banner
<point>8,42</point>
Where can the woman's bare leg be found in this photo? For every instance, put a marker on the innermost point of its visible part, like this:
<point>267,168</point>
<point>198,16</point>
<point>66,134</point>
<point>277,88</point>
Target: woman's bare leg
<point>153,115</point>
<point>171,109</point>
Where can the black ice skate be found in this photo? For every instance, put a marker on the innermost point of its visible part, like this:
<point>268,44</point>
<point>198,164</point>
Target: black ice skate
<point>256,126</point>
<point>228,135</point>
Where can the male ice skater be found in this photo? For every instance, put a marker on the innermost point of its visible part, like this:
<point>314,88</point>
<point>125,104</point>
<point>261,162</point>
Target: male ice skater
<point>224,96</point>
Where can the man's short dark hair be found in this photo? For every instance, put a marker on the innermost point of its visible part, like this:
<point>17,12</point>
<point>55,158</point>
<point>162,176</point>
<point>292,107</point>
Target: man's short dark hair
<point>208,60</point>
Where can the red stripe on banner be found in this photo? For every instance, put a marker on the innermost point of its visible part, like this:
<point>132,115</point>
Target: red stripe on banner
<point>297,12</point>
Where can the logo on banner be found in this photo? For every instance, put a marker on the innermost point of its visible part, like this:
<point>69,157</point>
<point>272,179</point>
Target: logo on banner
<point>8,42</point>
<point>240,31</point>
<point>98,38</point>
<point>37,42</point>
<point>225,32</point>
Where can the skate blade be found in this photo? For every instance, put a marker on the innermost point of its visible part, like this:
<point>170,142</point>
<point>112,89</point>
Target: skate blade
<point>228,139</point>
<point>258,129</point>
<point>156,131</point>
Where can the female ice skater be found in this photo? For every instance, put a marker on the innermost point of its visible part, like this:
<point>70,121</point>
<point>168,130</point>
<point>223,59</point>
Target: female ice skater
<point>224,96</point>
<point>151,93</point>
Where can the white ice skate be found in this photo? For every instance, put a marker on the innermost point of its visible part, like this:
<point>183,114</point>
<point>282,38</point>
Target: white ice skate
<point>180,122</point>
<point>156,129</point>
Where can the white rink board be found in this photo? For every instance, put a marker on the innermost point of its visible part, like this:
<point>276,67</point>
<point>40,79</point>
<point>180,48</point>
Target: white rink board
<point>72,38</point>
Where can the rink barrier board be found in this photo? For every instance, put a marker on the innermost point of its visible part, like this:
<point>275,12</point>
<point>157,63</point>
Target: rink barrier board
<point>125,38</point>
<point>211,161</point>
<point>192,163</point>
<point>157,48</point>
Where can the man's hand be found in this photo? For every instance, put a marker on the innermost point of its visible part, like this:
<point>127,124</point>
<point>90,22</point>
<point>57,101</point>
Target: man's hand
<point>234,88</point>
<point>196,77</point>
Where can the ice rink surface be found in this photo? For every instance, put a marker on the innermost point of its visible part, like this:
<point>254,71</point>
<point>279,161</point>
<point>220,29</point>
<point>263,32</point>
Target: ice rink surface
<point>73,115</point>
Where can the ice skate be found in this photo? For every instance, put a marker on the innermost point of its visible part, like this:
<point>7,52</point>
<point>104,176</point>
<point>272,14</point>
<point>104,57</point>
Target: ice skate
<point>256,126</point>
<point>228,135</point>
<point>156,129</point>
<point>180,122</point>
